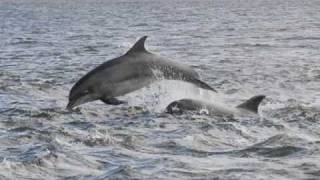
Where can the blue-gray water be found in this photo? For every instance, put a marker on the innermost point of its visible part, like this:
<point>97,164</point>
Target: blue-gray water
<point>240,47</point>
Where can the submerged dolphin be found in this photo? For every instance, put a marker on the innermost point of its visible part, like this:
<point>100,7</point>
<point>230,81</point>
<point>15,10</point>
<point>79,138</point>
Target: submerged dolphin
<point>133,70</point>
<point>249,107</point>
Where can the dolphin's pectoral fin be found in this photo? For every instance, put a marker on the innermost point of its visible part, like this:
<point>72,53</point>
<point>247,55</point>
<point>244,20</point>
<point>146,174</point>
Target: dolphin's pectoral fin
<point>112,101</point>
<point>252,104</point>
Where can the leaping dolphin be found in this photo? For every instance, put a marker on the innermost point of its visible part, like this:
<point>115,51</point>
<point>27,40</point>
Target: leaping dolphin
<point>249,107</point>
<point>135,69</point>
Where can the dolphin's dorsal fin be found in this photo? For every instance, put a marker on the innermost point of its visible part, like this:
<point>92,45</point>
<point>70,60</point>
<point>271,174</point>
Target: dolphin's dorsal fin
<point>138,46</point>
<point>252,104</point>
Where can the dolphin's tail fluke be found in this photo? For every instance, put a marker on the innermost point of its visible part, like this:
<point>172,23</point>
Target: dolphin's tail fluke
<point>252,104</point>
<point>202,84</point>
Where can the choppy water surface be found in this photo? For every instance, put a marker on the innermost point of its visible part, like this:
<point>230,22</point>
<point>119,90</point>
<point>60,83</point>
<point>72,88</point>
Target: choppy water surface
<point>241,48</point>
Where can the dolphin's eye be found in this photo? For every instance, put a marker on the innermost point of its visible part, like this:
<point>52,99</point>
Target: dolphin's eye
<point>88,91</point>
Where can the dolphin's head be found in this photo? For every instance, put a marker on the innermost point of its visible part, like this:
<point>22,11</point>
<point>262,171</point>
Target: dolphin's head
<point>82,92</point>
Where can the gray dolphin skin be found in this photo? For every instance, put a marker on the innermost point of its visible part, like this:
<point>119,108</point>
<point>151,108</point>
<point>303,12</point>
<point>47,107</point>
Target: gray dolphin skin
<point>135,69</point>
<point>249,107</point>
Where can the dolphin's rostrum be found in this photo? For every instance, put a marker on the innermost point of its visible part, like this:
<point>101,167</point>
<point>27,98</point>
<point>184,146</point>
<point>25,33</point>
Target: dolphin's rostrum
<point>133,70</point>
